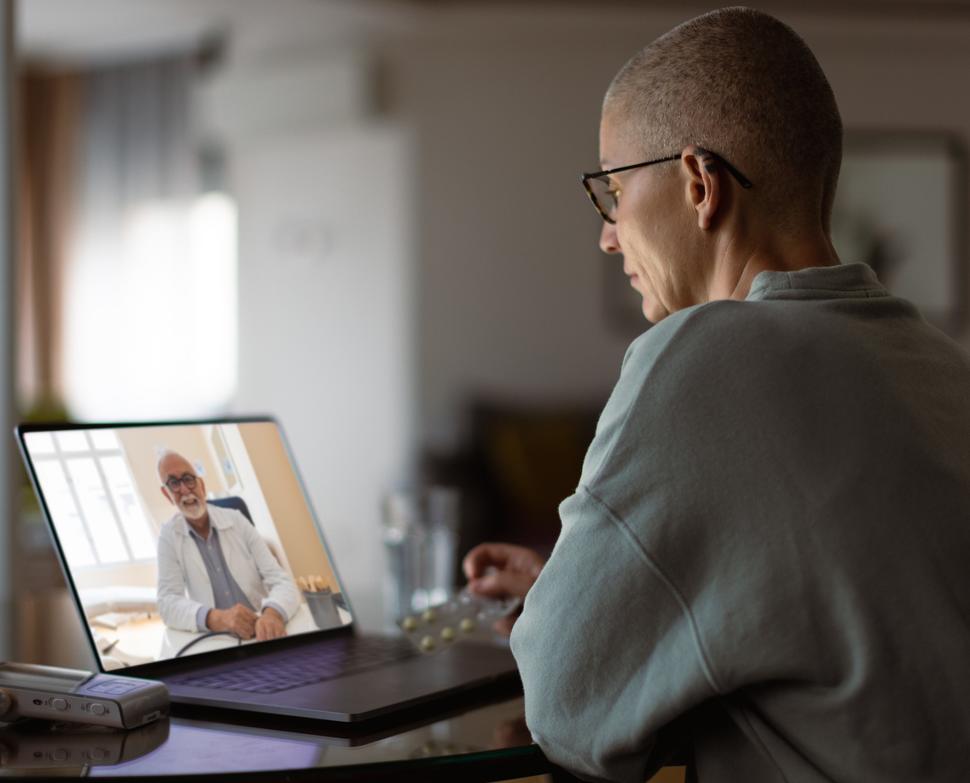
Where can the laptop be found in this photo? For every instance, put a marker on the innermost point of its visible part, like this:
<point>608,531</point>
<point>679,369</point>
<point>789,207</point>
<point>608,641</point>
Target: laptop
<point>144,579</point>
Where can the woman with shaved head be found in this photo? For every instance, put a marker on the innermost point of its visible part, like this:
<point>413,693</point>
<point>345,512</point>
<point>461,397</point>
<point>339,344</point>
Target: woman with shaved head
<point>766,557</point>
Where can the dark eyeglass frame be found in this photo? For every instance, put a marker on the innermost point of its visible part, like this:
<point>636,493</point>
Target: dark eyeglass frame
<point>743,181</point>
<point>186,479</point>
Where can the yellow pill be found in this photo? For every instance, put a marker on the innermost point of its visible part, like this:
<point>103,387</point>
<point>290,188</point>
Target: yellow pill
<point>409,623</point>
<point>427,644</point>
<point>467,624</point>
<point>447,633</point>
<point>429,616</point>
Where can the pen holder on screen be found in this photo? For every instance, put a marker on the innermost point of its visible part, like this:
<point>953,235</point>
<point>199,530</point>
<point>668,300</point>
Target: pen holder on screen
<point>320,602</point>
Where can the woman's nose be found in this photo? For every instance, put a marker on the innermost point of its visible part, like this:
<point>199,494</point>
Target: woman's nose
<point>609,243</point>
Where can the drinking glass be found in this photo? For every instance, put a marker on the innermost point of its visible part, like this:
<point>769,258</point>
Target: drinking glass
<point>420,546</point>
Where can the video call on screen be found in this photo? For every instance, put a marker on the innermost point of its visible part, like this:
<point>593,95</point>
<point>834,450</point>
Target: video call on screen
<point>164,527</point>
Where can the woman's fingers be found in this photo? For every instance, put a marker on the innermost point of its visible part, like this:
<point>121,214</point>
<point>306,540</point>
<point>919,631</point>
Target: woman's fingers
<point>496,555</point>
<point>502,584</point>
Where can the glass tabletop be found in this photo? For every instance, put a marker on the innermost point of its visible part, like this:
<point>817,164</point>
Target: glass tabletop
<point>484,739</point>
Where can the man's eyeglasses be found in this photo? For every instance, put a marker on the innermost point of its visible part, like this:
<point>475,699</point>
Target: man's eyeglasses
<point>604,197</point>
<point>186,479</point>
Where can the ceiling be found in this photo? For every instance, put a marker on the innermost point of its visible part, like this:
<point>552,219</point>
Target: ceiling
<point>105,30</point>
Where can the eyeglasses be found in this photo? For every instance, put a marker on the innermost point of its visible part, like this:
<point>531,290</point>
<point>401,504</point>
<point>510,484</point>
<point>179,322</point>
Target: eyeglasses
<point>187,479</point>
<point>604,196</point>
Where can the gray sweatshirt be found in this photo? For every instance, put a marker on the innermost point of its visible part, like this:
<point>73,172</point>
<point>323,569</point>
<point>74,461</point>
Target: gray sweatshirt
<point>769,549</point>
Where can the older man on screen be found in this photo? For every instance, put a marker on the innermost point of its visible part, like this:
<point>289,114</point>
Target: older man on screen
<point>214,569</point>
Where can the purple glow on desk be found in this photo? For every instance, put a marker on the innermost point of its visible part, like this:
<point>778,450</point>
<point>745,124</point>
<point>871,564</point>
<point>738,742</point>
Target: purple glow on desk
<point>190,749</point>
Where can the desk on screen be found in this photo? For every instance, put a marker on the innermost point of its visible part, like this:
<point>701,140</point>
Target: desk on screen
<point>173,640</point>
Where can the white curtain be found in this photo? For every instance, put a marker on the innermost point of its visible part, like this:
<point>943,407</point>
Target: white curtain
<point>150,288</point>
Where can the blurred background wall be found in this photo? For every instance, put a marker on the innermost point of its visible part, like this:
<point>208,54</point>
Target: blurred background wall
<point>366,218</point>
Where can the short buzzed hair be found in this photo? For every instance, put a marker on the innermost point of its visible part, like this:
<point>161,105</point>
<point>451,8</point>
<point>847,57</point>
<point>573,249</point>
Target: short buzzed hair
<point>746,86</point>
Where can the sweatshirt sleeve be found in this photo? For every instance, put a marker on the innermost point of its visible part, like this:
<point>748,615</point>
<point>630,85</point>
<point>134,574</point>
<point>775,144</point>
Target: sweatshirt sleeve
<point>607,646</point>
<point>607,651</point>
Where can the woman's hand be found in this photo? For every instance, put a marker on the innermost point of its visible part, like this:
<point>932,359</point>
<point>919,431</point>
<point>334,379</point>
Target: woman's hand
<point>502,571</point>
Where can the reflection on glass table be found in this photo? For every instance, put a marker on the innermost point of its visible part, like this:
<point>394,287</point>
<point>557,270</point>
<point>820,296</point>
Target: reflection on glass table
<point>35,746</point>
<point>460,740</point>
<point>189,746</point>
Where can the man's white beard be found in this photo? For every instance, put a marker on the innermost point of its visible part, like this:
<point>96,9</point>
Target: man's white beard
<point>192,511</point>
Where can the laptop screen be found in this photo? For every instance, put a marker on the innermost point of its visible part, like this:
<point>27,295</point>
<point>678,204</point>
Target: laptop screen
<point>180,539</point>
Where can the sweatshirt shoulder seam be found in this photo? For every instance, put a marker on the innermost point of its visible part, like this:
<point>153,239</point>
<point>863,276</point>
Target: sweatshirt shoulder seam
<point>665,579</point>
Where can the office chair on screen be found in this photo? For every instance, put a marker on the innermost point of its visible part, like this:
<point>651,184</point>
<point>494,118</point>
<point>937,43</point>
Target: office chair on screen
<point>236,503</point>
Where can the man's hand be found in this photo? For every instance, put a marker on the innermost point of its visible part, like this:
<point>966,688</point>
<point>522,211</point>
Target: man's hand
<point>502,571</point>
<point>240,620</point>
<point>270,625</point>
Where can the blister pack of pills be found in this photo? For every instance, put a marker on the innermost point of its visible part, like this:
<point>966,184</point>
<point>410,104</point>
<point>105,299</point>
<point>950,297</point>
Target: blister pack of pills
<point>466,616</point>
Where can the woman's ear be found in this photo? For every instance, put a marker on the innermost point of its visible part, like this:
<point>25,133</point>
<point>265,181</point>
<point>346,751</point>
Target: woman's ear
<point>703,183</point>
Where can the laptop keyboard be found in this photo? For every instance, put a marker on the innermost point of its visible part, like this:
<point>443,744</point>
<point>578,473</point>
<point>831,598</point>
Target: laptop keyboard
<point>337,658</point>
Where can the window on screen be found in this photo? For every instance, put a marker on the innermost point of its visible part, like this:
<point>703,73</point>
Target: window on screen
<point>90,488</point>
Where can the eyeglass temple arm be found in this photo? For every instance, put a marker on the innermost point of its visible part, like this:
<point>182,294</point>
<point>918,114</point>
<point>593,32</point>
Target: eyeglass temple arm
<point>743,181</point>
